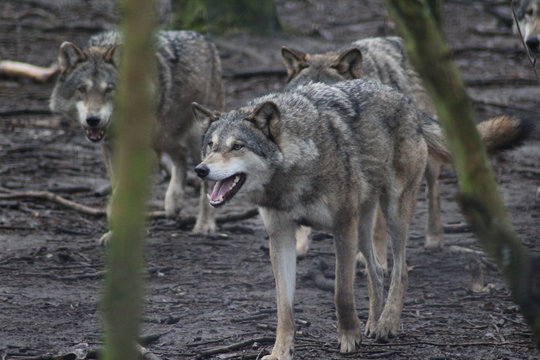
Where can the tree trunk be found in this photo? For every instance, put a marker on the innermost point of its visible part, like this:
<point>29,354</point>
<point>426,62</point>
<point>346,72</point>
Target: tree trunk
<point>480,200</point>
<point>133,120</point>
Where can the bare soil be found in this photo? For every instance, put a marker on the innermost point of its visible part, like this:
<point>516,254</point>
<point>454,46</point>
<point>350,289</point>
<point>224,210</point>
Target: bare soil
<point>213,297</point>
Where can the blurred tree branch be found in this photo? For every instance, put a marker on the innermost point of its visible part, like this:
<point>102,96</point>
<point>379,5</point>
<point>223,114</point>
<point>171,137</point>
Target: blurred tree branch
<point>480,200</point>
<point>133,120</point>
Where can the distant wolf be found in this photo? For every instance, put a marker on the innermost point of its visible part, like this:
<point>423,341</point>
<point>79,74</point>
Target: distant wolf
<point>325,156</point>
<point>384,60</point>
<point>528,15</point>
<point>188,70</point>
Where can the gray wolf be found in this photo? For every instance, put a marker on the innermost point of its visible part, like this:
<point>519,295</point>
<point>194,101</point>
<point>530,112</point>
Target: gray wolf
<point>188,69</point>
<point>528,16</point>
<point>384,60</point>
<point>325,156</point>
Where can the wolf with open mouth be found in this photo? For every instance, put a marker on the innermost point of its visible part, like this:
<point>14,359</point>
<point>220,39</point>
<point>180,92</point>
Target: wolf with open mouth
<point>325,156</point>
<point>188,69</point>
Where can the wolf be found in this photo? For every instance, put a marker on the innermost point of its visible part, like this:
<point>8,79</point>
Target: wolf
<point>325,156</point>
<point>384,60</point>
<point>188,70</point>
<point>528,16</point>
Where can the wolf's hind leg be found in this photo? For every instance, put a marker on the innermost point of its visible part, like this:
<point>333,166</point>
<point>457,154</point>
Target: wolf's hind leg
<point>434,229</point>
<point>373,268</point>
<point>302,240</point>
<point>346,244</point>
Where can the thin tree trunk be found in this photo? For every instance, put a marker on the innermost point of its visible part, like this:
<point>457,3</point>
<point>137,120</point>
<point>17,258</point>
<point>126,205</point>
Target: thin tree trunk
<point>480,200</point>
<point>133,121</point>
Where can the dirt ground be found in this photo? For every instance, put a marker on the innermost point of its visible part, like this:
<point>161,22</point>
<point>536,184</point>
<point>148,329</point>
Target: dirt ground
<point>213,297</point>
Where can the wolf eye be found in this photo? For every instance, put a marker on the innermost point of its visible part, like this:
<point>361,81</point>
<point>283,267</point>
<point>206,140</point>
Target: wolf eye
<point>82,88</point>
<point>110,88</point>
<point>237,147</point>
<point>210,144</point>
<point>529,11</point>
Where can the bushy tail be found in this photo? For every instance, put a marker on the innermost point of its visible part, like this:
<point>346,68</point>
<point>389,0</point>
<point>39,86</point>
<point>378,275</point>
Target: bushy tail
<point>500,133</point>
<point>504,132</point>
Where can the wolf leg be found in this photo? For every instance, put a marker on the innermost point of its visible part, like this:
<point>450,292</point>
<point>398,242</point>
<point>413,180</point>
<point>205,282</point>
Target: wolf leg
<point>398,208</point>
<point>302,240</point>
<point>434,229</point>
<point>346,245</point>
<point>373,268</point>
<point>283,256</point>
<point>206,219</point>
<point>175,191</point>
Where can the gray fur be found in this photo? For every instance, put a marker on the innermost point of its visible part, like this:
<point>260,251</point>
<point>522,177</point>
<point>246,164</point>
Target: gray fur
<point>188,70</point>
<point>384,60</point>
<point>326,156</point>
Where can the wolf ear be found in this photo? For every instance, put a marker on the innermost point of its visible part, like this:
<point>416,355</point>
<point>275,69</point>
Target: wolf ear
<point>112,55</point>
<point>294,60</point>
<point>349,63</point>
<point>266,117</point>
<point>204,116</point>
<point>69,55</point>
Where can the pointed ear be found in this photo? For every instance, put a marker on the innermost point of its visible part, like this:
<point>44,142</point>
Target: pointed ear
<point>349,63</point>
<point>204,116</point>
<point>294,60</point>
<point>266,117</point>
<point>112,55</point>
<point>69,55</point>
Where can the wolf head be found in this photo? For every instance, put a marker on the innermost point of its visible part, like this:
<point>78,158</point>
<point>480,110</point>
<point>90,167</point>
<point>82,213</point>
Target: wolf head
<point>85,88</point>
<point>238,149</point>
<point>528,16</point>
<point>327,68</point>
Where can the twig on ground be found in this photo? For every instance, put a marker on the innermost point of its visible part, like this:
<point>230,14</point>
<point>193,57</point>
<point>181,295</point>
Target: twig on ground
<point>235,346</point>
<point>182,222</point>
<point>47,195</point>
<point>21,69</point>
<point>145,354</point>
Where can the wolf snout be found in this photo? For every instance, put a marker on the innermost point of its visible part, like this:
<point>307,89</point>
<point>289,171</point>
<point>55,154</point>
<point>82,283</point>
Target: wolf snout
<point>533,43</point>
<point>202,171</point>
<point>93,121</point>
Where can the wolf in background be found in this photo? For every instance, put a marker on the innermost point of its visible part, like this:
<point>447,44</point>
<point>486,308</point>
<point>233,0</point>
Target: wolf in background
<point>325,157</point>
<point>528,16</point>
<point>384,60</point>
<point>188,70</point>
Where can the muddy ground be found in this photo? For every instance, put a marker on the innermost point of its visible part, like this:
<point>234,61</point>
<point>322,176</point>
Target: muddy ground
<point>213,297</point>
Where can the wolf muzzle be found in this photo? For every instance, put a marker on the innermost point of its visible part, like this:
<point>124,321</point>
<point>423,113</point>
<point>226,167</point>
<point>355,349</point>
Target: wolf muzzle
<point>202,171</point>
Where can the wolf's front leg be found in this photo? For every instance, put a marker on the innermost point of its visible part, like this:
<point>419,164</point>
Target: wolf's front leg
<point>206,219</point>
<point>106,151</point>
<point>283,256</point>
<point>175,191</point>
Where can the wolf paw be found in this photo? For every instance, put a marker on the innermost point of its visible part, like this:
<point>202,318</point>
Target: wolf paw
<point>105,238</point>
<point>350,340</point>
<point>204,227</point>
<point>433,241</point>
<point>384,331</point>
<point>275,357</point>
<point>172,209</point>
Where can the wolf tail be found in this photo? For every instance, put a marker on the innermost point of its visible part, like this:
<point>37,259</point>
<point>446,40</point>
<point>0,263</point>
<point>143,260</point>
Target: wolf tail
<point>499,133</point>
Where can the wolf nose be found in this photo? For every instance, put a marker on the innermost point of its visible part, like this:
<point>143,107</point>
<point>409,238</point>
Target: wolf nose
<point>92,120</point>
<point>202,171</point>
<point>533,43</point>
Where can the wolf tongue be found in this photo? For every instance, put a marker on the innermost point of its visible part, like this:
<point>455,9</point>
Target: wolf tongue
<point>221,188</point>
